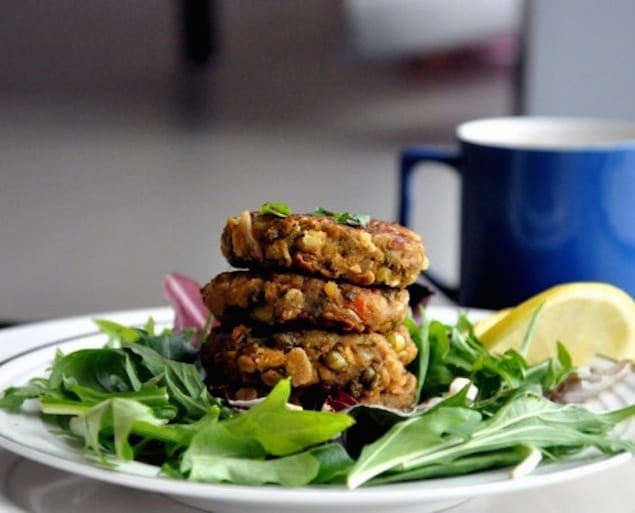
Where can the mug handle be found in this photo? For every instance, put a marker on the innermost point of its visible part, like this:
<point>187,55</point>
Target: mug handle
<point>409,163</point>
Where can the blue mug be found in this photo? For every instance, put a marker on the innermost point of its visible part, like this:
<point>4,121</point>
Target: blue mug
<point>543,201</point>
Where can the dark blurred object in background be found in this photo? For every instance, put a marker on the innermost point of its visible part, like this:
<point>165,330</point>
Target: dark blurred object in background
<point>199,30</point>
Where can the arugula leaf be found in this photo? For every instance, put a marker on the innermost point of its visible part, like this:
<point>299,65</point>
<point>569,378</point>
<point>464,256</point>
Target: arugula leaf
<point>13,397</point>
<point>118,333</point>
<point>275,209</point>
<point>283,431</point>
<point>526,343</point>
<point>462,465</point>
<point>239,450</point>
<point>427,443</point>
<point>295,470</point>
<point>134,357</point>
<point>323,464</point>
<point>104,370</point>
<point>116,415</point>
<point>448,352</point>
<point>92,375</point>
<point>149,394</point>
<point>344,217</point>
<point>412,437</point>
<point>173,345</point>
<point>183,381</point>
<point>334,461</point>
<point>420,336</point>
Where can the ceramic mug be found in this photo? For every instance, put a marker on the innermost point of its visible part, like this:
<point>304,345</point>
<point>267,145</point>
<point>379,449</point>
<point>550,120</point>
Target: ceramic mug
<point>543,201</point>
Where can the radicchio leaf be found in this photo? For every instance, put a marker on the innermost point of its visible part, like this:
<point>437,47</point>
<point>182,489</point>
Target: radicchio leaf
<point>184,295</point>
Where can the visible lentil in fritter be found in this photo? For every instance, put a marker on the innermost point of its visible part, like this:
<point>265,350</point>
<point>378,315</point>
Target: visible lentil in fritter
<point>371,367</point>
<point>292,300</point>
<point>381,253</point>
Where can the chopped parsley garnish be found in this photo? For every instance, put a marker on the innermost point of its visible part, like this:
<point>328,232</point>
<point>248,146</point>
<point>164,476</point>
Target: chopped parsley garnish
<point>282,210</point>
<point>344,217</point>
<point>275,209</point>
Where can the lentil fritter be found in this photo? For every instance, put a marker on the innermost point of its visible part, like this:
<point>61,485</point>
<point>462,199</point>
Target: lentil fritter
<point>293,300</point>
<point>380,253</point>
<point>370,367</point>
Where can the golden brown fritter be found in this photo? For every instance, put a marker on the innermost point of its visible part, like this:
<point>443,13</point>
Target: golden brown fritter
<point>292,301</point>
<point>371,367</point>
<point>381,253</point>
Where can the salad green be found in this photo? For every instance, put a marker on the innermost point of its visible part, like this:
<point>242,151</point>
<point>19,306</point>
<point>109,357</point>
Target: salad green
<point>143,397</point>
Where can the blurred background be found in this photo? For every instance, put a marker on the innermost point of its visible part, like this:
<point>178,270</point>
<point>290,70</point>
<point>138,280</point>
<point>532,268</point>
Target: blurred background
<point>129,131</point>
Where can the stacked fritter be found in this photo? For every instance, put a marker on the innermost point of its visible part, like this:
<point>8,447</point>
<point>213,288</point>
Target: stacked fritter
<point>321,302</point>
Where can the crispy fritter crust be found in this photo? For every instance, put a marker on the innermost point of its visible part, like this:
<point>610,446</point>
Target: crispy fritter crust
<point>370,367</point>
<point>382,253</point>
<point>296,301</point>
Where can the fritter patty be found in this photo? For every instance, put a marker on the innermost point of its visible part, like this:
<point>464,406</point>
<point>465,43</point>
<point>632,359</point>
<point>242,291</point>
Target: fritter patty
<point>382,253</point>
<point>297,301</point>
<point>370,367</point>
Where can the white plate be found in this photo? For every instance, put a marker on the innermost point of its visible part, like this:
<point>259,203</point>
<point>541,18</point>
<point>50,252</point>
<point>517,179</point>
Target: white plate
<point>26,352</point>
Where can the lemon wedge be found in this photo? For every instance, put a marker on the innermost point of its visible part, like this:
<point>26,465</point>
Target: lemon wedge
<point>484,324</point>
<point>589,318</point>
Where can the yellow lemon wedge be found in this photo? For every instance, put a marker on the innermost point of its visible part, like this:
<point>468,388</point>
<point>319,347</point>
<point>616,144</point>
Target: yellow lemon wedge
<point>484,324</point>
<point>588,318</point>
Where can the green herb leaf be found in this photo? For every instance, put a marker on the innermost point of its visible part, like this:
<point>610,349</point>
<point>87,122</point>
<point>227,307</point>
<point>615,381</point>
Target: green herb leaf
<point>420,336</point>
<point>454,351</point>
<point>117,333</point>
<point>116,416</point>
<point>173,345</point>
<point>275,209</point>
<point>239,450</point>
<point>334,461</point>
<point>344,217</point>
<point>216,455</point>
<point>183,381</point>
<point>432,441</point>
<point>104,370</point>
<point>283,431</point>
<point>295,470</point>
<point>411,438</point>
<point>13,397</point>
<point>459,466</point>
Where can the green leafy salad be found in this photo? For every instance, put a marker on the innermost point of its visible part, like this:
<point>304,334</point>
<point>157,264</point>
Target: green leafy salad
<point>143,397</point>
